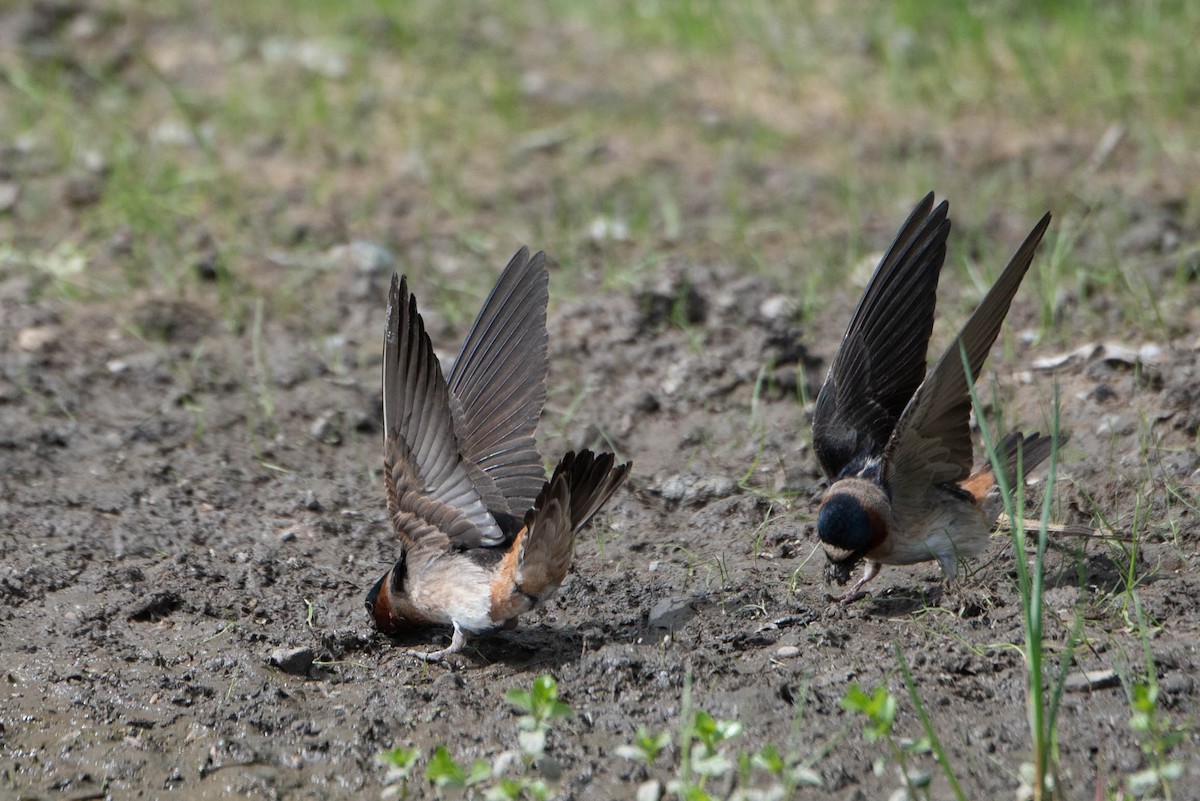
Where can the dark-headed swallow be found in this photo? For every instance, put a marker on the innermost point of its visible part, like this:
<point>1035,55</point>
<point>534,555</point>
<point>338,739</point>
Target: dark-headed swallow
<point>894,442</point>
<point>484,537</point>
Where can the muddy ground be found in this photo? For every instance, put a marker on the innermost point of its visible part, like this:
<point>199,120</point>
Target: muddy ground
<point>191,514</point>
<point>157,553</point>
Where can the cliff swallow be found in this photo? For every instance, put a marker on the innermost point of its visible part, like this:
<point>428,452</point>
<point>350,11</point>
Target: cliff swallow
<point>894,442</point>
<point>484,537</point>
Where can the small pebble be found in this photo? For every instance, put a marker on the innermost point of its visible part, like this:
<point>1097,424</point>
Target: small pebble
<point>670,612</point>
<point>326,428</point>
<point>1089,680</point>
<point>37,338</point>
<point>9,192</point>
<point>295,661</point>
<point>777,307</point>
<point>787,652</point>
<point>366,257</point>
<point>649,791</point>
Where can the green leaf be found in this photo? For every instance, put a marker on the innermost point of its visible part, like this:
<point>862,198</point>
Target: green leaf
<point>481,771</point>
<point>631,752</point>
<point>559,709</point>
<point>646,746</point>
<point>545,688</point>
<point>806,777</point>
<point>704,729</point>
<point>521,699</point>
<point>879,707</point>
<point>768,759</point>
<point>538,789</point>
<point>728,729</point>
<point>540,702</point>
<point>400,759</point>
<point>443,771</point>
<point>855,700</point>
<point>506,790</point>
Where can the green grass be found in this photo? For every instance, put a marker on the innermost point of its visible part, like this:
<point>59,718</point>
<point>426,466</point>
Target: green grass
<point>1044,689</point>
<point>436,103</point>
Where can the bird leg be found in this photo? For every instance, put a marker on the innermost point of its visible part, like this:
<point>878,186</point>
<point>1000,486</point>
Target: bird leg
<point>855,591</point>
<point>457,643</point>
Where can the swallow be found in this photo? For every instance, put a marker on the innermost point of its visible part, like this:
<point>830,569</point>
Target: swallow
<point>894,442</point>
<point>484,537</point>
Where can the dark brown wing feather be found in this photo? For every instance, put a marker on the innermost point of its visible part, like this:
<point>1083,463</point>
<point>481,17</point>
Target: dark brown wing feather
<point>498,385</point>
<point>421,520</point>
<point>881,360</point>
<point>417,422</point>
<point>581,484</point>
<point>932,441</point>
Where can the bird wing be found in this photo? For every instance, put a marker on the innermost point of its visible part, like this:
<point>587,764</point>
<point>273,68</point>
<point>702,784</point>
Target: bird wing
<point>420,445</point>
<point>498,387</point>
<point>881,360</point>
<point>932,442</point>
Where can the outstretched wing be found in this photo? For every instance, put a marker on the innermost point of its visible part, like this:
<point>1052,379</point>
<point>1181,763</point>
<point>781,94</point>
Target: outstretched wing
<point>419,440</point>
<point>498,387</point>
<point>881,360</point>
<point>932,442</point>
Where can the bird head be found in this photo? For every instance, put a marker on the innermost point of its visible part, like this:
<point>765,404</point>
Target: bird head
<point>852,521</point>
<point>386,599</point>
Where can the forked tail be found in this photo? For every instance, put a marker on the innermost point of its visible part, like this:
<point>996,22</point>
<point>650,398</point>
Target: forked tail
<point>1018,453</point>
<point>581,484</point>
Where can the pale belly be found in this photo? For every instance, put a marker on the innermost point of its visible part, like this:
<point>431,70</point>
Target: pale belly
<point>948,529</point>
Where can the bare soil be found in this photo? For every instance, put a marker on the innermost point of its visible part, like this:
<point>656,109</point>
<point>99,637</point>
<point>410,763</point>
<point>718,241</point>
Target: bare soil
<point>153,564</point>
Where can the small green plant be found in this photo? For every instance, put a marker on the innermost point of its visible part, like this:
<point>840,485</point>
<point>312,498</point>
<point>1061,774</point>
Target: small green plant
<point>540,705</point>
<point>705,756</point>
<point>931,736</point>
<point>444,773</point>
<point>487,780</point>
<point>1158,741</point>
<point>879,709</point>
<point>646,747</point>
<point>1043,697</point>
<point>399,762</point>
<point>789,771</point>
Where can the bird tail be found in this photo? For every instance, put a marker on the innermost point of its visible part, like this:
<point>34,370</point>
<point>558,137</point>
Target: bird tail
<point>540,557</point>
<point>1019,453</point>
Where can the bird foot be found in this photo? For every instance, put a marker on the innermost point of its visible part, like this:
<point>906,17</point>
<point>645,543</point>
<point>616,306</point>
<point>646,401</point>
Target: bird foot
<point>438,656</point>
<point>856,590</point>
<point>852,595</point>
<point>456,645</point>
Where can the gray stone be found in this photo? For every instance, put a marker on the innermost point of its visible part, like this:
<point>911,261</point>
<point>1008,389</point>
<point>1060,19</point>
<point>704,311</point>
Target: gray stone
<point>1091,680</point>
<point>670,613</point>
<point>295,661</point>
